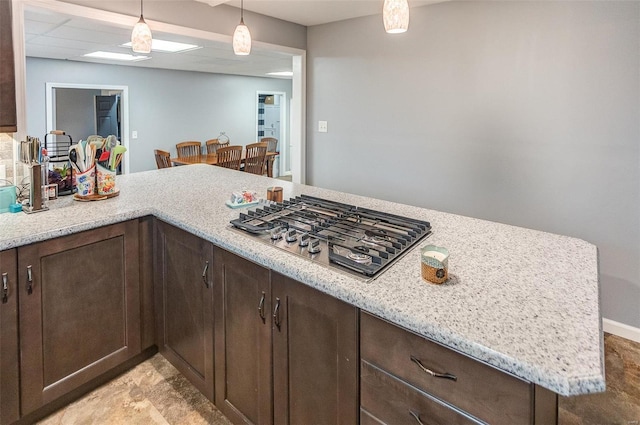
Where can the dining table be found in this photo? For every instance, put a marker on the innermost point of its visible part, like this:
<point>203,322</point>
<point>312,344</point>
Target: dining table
<point>212,159</point>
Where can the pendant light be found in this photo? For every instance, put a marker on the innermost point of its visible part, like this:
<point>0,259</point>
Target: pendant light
<point>141,36</point>
<point>241,36</point>
<point>395,15</point>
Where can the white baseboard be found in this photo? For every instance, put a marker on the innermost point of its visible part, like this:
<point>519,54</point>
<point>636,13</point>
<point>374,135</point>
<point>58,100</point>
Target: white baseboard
<point>621,330</point>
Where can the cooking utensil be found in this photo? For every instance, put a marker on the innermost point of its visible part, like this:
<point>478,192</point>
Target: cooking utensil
<point>89,155</point>
<point>81,153</point>
<point>118,150</point>
<point>104,156</point>
<point>112,142</point>
<point>73,157</point>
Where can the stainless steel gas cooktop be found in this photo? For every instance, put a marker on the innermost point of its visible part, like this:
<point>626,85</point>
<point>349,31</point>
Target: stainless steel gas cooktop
<point>359,241</point>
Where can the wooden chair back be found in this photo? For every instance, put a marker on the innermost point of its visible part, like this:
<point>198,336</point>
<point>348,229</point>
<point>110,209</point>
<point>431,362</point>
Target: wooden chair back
<point>272,146</point>
<point>189,148</point>
<point>214,144</point>
<point>162,158</point>
<point>230,157</point>
<point>272,143</point>
<point>254,161</point>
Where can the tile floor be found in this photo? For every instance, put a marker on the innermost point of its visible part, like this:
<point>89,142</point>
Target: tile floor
<point>154,392</point>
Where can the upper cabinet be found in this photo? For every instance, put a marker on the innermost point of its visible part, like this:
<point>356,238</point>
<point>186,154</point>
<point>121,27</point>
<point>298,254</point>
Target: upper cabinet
<point>8,120</point>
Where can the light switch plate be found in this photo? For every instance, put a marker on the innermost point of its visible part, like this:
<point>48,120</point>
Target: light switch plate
<point>134,134</point>
<point>322,126</point>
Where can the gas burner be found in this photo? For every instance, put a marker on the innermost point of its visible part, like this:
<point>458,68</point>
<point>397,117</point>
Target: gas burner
<point>373,240</point>
<point>374,237</point>
<point>360,258</point>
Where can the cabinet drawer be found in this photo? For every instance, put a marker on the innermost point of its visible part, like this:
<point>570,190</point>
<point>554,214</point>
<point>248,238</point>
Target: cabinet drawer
<point>391,401</point>
<point>479,389</point>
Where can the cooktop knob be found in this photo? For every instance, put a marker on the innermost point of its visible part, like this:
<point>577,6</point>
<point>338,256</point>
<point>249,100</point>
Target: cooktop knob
<point>304,240</point>
<point>291,235</point>
<point>314,247</point>
<point>276,233</point>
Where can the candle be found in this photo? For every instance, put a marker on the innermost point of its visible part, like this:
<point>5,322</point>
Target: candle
<point>435,254</point>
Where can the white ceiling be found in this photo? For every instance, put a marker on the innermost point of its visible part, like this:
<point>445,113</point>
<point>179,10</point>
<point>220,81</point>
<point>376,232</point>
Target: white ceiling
<point>314,12</point>
<point>49,34</point>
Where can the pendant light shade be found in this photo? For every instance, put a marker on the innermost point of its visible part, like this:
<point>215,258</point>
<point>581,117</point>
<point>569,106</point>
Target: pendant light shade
<point>395,15</point>
<point>141,36</point>
<point>241,36</point>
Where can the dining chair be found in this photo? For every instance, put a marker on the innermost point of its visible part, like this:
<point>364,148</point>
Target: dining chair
<point>229,157</point>
<point>254,160</point>
<point>214,144</point>
<point>162,158</point>
<point>272,146</point>
<point>189,148</point>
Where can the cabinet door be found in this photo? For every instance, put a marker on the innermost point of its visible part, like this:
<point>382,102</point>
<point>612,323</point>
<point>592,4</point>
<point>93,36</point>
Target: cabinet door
<point>184,304</point>
<point>243,339</point>
<point>315,356</point>
<point>79,306</point>
<point>8,337</point>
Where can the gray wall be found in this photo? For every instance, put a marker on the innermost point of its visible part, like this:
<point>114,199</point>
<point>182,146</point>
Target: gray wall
<point>524,113</point>
<point>75,112</point>
<point>165,107</point>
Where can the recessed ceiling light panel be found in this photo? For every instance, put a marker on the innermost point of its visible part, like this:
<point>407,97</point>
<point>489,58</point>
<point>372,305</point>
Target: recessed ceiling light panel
<point>168,46</point>
<point>116,56</point>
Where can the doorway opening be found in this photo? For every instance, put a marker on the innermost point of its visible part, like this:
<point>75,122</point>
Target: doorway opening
<point>85,109</point>
<point>272,121</point>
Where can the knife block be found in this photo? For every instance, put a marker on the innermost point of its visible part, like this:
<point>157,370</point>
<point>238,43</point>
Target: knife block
<point>36,203</point>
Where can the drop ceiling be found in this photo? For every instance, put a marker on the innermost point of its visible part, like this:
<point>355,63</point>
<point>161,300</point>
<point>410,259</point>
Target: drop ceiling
<point>54,35</point>
<point>49,34</point>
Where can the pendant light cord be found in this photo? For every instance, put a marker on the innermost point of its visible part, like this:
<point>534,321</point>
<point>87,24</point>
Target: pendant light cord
<point>241,11</point>
<point>141,14</point>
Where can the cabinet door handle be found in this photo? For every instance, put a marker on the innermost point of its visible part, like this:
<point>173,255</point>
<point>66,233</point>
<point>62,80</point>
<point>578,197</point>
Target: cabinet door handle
<point>5,288</point>
<point>261,306</point>
<point>432,373</point>
<point>416,416</point>
<point>204,274</point>
<point>276,313</point>
<point>29,280</point>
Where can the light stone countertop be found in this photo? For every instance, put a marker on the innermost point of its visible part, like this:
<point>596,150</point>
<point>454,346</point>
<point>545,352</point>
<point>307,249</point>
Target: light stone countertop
<point>524,301</point>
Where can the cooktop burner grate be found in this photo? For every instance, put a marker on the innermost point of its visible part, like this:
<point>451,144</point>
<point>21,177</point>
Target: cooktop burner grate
<point>358,240</point>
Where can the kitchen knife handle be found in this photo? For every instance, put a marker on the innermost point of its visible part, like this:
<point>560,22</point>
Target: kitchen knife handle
<point>416,416</point>
<point>261,306</point>
<point>204,274</point>
<point>276,313</point>
<point>5,287</point>
<point>432,373</point>
<point>29,280</point>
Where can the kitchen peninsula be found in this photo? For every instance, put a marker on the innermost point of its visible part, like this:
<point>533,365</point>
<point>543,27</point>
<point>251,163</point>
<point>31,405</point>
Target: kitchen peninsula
<point>523,302</point>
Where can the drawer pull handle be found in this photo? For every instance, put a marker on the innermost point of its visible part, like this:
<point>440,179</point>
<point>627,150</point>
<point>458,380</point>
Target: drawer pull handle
<point>432,373</point>
<point>204,274</point>
<point>29,280</point>
<point>5,288</point>
<point>276,313</point>
<point>261,307</point>
<point>416,416</point>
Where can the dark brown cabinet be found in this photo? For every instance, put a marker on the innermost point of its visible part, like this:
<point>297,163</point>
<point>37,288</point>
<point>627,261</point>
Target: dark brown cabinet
<point>9,390</point>
<point>184,304</point>
<point>8,121</point>
<point>79,309</point>
<point>315,356</point>
<point>243,339</point>
<point>405,377</point>
<point>285,353</point>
